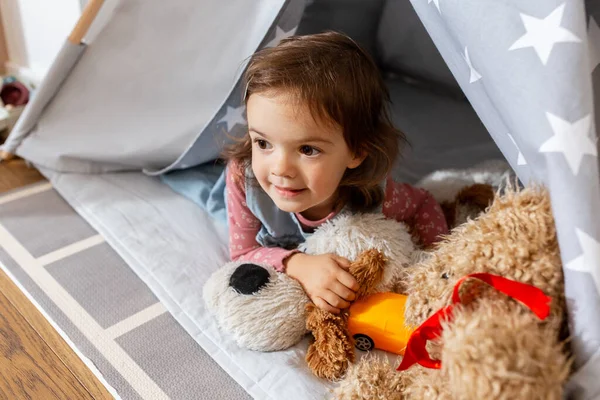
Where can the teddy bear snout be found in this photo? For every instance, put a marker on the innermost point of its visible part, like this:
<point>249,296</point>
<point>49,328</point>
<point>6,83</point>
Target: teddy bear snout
<point>248,278</point>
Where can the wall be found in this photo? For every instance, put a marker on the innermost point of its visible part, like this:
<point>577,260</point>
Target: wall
<point>35,31</point>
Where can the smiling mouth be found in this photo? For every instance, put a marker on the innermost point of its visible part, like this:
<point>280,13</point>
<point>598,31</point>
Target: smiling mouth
<point>287,192</point>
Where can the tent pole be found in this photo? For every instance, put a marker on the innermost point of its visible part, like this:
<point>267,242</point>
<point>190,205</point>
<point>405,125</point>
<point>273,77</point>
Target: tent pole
<point>76,37</point>
<point>85,21</point>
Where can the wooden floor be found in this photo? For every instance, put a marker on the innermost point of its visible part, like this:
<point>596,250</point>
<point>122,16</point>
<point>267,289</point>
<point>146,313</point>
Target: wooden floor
<point>35,362</point>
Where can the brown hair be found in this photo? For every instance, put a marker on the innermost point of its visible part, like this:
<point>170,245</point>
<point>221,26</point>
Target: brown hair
<point>341,84</point>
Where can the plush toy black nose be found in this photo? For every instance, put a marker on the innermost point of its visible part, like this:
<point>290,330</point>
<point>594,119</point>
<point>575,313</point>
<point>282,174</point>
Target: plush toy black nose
<point>249,278</point>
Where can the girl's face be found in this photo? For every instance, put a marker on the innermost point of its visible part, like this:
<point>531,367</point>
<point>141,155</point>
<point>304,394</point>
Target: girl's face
<point>298,162</point>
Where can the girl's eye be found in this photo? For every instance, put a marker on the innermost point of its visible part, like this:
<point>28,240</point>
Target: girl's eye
<point>262,144</point>
<point>309,150</point>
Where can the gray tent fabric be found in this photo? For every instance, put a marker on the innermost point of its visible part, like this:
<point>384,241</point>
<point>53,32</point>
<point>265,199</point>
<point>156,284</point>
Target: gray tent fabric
<point>230,121</point>
<point>527,67</point>
<point>142,91</point>
<point>66,59</point>
<point>408,47</point>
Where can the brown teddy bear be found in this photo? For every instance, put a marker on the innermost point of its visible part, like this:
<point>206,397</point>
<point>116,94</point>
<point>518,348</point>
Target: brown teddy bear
<point>490,346</point>
<point>465,193</point>
<point>332,351</point>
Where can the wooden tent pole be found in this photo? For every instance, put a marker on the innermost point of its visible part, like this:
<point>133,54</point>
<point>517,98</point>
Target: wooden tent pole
<point>85,21</point>
<point>76,37</point>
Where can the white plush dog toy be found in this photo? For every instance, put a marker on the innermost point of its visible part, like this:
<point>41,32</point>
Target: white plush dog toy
<point>266,310</point>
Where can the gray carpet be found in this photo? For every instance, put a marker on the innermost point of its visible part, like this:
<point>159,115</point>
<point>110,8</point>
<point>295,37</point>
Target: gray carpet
<point>100,305</point>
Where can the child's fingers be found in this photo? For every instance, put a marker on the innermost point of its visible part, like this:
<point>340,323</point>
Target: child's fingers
<point>342,291</point>
<point>334,300</point>
<point>342,262</point>
<point>323,305</point>
<point>346,279</point>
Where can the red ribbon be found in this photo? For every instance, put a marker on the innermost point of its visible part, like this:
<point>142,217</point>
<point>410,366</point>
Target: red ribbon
<point>416,351</point>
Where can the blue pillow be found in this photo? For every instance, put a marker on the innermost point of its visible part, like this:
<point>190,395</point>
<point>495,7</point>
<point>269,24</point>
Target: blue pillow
<point>204,185</point>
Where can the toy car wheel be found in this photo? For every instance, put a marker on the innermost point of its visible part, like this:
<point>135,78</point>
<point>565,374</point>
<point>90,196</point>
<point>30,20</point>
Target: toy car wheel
<point>363,342</point>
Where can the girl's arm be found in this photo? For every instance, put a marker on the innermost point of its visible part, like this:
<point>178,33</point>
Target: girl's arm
<point>243,227</point>
<point>324,277</point>
<point>417,208</point>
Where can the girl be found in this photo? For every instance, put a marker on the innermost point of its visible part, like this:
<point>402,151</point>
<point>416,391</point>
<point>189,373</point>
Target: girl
<point>319,141</point>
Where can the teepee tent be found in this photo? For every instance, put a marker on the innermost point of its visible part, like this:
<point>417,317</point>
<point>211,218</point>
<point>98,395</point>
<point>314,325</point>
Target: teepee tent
<point>155,87</point>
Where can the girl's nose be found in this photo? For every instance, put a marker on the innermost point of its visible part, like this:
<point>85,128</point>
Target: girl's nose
<point>282,166</point>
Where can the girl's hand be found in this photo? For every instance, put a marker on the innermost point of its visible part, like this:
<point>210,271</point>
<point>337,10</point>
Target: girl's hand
<point>325,279</point>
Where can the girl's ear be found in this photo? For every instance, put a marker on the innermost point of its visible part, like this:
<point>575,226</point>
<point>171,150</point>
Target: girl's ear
<point>357,160</point>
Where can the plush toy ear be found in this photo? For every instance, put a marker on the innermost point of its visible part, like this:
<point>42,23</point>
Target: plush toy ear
<point>368,270</point>
<point>332,351</point>
<point>472,200</point>
<point>478,194</point>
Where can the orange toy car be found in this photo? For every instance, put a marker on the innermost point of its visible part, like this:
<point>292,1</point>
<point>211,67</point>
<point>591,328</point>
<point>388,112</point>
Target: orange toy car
<point>377,322</point>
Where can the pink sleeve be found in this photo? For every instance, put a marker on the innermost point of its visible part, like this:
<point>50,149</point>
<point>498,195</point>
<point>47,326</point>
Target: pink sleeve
<point>243,227</point>
<point>417,208</point>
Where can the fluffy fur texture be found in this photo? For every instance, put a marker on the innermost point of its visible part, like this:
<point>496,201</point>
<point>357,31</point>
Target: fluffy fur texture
<point>368,270</point>
<point>278,313</point>
<point>469,203</point>
<point>494,347</point>
<point>516,239</point>
<point>492,341</point>
<point>444,185</point>
<point>371,378</point>
<point>274,318</point>
<point>466,193</point>
<point>350,235</point>
<point>332,351</point>
<point>379,249</point>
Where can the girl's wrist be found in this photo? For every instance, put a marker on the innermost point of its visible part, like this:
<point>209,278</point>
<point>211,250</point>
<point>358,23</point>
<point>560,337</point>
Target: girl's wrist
<point>293,264</point>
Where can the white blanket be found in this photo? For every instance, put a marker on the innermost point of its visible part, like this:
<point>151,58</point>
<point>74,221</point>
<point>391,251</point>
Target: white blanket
<point>174,246</point>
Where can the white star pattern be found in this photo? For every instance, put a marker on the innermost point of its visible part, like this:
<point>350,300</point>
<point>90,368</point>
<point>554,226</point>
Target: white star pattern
<point>234,116</point>
<point>280,35</point>
<point>437,4</point>
<point>571,139</point>
<point>593,43</point>
<point>588,261</point>
<point>543,34</point>
<point>520,158</point>
<point>475,76</point>
<point>588,338</point>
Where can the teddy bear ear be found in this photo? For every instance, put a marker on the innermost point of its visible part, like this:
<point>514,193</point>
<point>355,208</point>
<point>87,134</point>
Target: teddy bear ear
<point>479,194</point>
